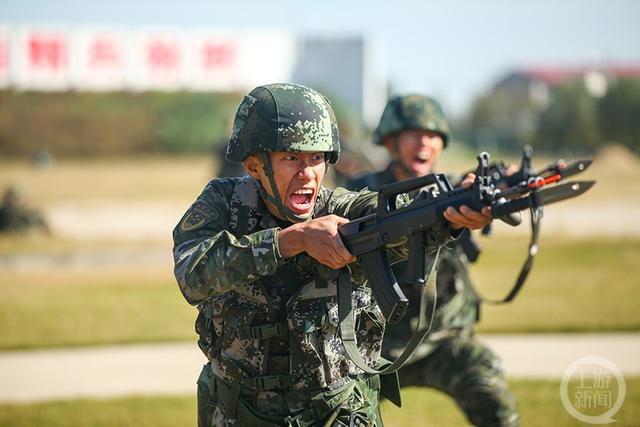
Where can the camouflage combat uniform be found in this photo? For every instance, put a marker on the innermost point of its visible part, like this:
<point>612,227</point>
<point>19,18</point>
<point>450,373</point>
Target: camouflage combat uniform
<point>268,325</point>
<point>451,359</point>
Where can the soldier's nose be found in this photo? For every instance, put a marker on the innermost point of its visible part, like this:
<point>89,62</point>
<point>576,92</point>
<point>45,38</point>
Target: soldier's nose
<point>307,173</point>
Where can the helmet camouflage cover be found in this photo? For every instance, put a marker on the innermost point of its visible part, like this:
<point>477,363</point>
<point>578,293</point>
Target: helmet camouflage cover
<point>411,112</point>
<point>283,117</point>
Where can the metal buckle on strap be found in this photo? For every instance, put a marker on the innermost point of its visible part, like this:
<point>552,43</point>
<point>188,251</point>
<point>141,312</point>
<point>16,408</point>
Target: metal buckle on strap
<point>269,330</point>
<point>358,420</point>
<point>267,382</point>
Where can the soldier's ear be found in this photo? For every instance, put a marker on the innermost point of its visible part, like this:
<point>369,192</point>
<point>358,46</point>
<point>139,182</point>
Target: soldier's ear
<point>253,166</point>
<point>390,142</point>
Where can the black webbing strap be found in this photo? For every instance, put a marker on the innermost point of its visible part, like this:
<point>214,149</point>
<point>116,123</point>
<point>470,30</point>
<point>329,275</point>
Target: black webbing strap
<point>267,382</point>
<point>287,214</point>
<point>536,213</point>
<point>268,330</point>
<point>347,322</point>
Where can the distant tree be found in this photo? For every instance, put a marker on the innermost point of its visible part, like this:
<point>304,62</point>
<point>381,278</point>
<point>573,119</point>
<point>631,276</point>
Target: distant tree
<point>567,118</point>
<point>619,113</point>
<point>504,118</point>
<point>77,124</point>
<point>188,122</point>
<point>571,121</point>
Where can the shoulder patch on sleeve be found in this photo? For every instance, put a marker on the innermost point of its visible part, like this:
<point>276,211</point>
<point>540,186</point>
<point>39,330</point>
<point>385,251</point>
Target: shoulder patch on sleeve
<point>198,215</point>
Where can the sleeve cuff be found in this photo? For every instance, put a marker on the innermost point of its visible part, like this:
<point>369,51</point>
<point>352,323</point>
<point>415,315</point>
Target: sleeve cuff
<point>266,254</point>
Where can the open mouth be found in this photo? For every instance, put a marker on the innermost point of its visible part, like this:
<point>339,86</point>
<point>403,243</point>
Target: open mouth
<point>421,159</point>
<point>301,200</point>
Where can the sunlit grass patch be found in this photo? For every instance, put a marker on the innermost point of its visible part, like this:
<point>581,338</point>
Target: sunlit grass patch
<point>584,285</point>
<point>54,309</point>
<point>539,405</point>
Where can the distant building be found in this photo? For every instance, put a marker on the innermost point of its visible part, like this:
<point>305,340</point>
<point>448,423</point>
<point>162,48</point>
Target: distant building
<point>508,116</point>
<point>348,68</point>
<point>537,82</point>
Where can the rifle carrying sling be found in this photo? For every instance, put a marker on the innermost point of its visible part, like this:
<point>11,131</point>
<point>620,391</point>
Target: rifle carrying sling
<point>347,323</point>
<point>536,213</point>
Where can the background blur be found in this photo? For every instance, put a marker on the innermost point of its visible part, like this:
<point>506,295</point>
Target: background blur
<point>114,115</point>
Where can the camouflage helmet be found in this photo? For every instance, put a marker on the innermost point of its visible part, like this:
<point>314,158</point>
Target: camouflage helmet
<point>411,112</point>
<point>283,117</point>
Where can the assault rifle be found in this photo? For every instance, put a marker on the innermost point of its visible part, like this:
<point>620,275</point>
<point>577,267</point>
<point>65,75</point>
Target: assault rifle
<point>422,221</point>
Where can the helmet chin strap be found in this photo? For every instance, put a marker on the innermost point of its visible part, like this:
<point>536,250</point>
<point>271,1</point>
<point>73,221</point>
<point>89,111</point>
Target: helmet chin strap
<point>397,160</point>
<point>284,211</point>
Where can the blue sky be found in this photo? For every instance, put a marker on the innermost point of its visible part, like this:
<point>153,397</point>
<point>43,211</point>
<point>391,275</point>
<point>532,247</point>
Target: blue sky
<point>449,49</point>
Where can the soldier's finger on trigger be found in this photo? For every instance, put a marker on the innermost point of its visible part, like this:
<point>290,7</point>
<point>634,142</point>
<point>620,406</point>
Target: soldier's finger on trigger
<point>345,256</point>
<point>453,215</point>
<point>474,216</point>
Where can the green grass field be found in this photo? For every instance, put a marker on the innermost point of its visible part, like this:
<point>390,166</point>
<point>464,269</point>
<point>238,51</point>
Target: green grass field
<point>575,286</point>
<point>584,285</point>
<point>57,309</point>
<point>539,405</point>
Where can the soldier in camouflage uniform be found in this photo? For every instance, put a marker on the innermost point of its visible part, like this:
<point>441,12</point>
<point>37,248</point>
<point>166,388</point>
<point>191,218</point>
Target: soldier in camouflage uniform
<point>415,131</point>
<point>250,252</point>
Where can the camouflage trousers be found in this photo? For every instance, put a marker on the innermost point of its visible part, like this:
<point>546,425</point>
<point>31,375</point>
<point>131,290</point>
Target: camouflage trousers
<point>465,369</point>
<point>355,403</point>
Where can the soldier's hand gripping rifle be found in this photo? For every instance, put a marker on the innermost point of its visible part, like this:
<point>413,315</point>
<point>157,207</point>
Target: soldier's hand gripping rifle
<point>422,221</point>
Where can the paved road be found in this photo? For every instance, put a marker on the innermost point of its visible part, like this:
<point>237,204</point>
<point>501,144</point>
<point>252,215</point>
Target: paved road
<point>173,368</point>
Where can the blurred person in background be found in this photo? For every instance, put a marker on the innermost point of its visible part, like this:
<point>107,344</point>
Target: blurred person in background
<point>17,216</point>
<point>415,131</point>
<point>250,253</point>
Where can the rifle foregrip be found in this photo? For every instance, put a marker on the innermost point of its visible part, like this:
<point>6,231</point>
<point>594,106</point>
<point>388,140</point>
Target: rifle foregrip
<point>384,285</point>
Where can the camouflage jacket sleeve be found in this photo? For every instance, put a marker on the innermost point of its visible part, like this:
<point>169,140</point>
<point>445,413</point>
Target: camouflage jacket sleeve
<point>208,259</point>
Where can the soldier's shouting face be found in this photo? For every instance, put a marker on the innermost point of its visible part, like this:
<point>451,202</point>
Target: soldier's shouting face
<point>417,149</point>
<point>297,176</point>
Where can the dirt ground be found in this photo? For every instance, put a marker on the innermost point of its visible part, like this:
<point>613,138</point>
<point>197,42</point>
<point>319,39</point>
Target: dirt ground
<point>610,209</point>
<point>141,200</point>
